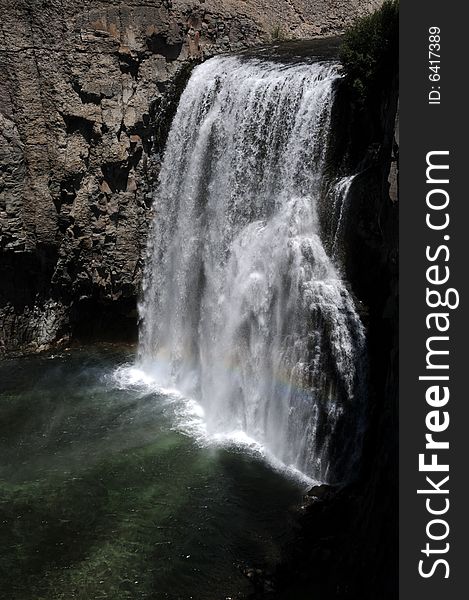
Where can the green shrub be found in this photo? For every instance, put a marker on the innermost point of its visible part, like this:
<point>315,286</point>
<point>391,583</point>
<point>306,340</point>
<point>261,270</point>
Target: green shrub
<point>370,50</point>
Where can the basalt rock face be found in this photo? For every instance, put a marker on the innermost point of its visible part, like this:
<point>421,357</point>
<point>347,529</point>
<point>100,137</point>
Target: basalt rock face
<point>86,90</point>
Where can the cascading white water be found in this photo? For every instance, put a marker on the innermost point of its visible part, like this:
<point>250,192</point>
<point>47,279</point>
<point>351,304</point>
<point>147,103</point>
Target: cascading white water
<point>242,308</point>
<point>340,196</point>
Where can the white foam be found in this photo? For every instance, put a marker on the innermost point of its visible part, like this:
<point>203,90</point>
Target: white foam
<point>127,376</point>
<point>189,419</point>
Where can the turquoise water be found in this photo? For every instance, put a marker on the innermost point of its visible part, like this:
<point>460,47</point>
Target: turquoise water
<point>104,494</point>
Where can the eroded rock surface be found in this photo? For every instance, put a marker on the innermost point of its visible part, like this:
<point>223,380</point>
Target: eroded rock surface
<point>85,88</point>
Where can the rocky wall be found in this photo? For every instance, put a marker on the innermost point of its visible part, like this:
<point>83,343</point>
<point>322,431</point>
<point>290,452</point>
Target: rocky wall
<point>82,90</point>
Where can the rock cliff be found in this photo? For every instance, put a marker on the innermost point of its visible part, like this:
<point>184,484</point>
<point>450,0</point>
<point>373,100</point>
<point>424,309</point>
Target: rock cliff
<point>86,93</point>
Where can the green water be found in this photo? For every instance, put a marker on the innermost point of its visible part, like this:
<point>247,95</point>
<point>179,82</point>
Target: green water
<point>102,497</point>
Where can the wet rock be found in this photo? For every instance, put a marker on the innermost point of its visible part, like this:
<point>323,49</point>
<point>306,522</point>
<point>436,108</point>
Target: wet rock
<point>320,491</point>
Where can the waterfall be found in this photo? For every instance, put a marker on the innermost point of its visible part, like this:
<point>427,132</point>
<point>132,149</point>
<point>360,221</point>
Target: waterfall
<point>340,192</point>
<point>242,307</point>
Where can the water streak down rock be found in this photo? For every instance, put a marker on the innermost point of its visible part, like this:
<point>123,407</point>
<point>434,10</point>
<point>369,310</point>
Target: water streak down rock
<point>242,307</point>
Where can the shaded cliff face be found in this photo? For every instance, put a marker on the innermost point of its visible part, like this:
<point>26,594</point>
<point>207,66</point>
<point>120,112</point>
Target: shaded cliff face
<point>85,90</point>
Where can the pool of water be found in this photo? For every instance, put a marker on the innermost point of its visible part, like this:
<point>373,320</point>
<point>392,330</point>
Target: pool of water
<point>105,492</point>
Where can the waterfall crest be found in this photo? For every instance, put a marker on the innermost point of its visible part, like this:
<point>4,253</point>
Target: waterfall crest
<point>242,307</point>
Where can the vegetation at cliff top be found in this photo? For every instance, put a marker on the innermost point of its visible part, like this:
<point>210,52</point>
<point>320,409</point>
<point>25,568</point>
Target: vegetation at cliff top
<point>370,50</point>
